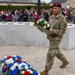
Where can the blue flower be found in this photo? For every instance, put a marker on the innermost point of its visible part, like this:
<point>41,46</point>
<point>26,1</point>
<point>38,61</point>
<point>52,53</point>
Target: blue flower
<point>4,59</point>
<point>23,67</point>
<point>15,71</point>
<point>35,73</point>
<point>9,72</point>
<point>9,65</point>
<point>19,57</point>
<point>32,69</point>
<point>3,69</point>
<point>1,61</point>
<point>14,58</point>
<point>19,62</point>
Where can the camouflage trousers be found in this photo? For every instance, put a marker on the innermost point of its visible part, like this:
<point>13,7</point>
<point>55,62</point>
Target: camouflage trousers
<point>54,51</point>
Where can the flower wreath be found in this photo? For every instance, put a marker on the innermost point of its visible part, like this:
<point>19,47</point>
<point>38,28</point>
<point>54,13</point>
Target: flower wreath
<point>14,65</point>
<point>43,25</point>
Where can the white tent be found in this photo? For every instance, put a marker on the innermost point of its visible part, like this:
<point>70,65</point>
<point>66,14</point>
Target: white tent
<point>19,1</point>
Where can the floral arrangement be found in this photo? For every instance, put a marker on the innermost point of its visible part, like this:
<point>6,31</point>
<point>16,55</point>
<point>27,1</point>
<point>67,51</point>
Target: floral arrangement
<point>14,65</point>
<point>43,25</point>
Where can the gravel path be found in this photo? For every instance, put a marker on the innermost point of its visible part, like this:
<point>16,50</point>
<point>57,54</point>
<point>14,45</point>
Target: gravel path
<point>36,56</point>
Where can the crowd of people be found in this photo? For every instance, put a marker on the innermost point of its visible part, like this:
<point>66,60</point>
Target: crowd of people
<point>27,15</point>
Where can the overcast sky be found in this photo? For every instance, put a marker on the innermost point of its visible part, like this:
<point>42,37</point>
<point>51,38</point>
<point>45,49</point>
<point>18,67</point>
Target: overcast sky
<point>47,1</point>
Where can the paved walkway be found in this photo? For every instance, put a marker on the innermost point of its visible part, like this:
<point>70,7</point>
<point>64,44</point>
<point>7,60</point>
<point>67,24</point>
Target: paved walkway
<point>36,56</point>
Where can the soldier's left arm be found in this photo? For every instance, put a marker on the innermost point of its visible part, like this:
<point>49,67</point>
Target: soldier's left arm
<point>62,28</point>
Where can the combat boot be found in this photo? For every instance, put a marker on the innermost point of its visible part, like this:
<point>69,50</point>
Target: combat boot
<point>44,73</point>
<point>64,64</point>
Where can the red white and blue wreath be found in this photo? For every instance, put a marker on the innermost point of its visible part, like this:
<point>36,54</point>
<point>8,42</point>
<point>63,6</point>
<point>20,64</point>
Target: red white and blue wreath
<point>14,65</point>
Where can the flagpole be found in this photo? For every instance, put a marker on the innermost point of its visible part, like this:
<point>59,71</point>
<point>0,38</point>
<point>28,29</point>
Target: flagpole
<point>38,7</point>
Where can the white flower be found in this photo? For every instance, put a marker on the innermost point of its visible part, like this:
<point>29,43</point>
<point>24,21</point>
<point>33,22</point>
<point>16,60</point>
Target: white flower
<point>15,64</point>
<point>48,25</point>
<point>45,22</point>
<point>22,72</point>
<point>5,57</point>
<point>39,21</point>
<point>15,57</point>
<point>12,67</point>
<point>44,27</point>
<point>22,64</point>
<point>9,61</point>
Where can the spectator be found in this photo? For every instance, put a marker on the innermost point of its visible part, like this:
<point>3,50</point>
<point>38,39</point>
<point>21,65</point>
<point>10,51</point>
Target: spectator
<point>8,16</point>
<point>3,16</point>
<point>25,16</point>
<point>46,15</point>
<point>15,16</point>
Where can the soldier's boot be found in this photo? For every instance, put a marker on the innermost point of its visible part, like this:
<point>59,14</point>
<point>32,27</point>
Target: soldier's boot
<point>44,73</point>
<point>64,64</point>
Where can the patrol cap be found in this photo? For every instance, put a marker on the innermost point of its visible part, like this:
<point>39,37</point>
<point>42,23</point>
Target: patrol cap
<point>57,4</point>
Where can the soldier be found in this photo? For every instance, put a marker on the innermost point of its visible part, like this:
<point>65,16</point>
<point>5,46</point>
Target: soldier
<point>58,24</point>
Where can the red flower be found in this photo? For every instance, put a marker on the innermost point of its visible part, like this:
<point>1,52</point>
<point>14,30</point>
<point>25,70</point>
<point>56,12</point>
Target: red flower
<point>18,60</point>
<point>9,57</point>
<point>36,17</point>
<point>26,73</point>
<point>5,68</point>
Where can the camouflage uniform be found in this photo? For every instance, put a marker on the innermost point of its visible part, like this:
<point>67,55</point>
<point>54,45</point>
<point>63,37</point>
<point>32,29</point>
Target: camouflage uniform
<point>59,24</point>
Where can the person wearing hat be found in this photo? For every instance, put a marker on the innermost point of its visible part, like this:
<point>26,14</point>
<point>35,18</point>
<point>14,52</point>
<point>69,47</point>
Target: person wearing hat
<point>59,24</point>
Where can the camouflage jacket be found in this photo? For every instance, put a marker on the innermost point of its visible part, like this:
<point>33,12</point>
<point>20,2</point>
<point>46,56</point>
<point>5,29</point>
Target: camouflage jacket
<point>59,24</point>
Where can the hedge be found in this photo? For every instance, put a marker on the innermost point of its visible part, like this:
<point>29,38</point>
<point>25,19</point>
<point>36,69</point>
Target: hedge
<point>23,7</point>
